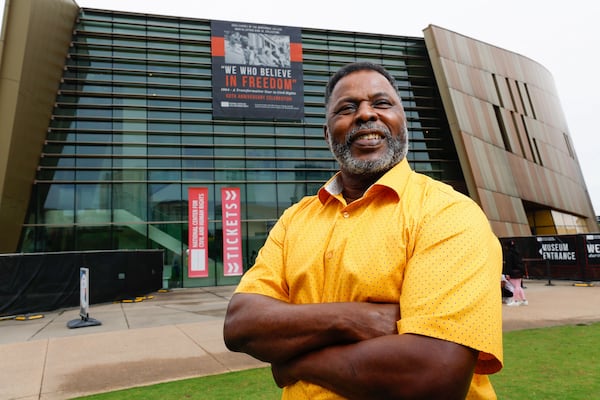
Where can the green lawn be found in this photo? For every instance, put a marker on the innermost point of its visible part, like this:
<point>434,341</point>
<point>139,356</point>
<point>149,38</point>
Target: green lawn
<point>550,363</point>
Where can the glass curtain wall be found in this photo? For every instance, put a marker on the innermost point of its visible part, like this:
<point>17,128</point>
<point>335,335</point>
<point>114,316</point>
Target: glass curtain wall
<point>132,130</point>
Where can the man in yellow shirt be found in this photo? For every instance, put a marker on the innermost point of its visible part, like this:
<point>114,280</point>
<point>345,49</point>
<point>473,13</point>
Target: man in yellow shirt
<point>382,286</point>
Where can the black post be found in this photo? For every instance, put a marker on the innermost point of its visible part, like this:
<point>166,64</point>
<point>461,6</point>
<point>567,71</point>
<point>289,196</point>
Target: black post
<point>548,273</point>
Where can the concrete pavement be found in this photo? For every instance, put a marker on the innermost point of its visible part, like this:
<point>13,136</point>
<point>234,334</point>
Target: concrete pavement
<point>178,334</point>
<point>171,336</point>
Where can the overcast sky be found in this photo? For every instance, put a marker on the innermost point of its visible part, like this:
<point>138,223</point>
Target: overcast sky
<point>563,36</point>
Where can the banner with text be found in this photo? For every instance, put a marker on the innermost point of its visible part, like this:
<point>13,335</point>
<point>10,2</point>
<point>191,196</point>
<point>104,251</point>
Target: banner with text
<point>592,248</point>
<point>558,249</point>
<point>257,71</point>
<point>232,232</point>
<point>198,232</point>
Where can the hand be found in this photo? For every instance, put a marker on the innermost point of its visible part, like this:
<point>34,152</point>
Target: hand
<point>370,320</point>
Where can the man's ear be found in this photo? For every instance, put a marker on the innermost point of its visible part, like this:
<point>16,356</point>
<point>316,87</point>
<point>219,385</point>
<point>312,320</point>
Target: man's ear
<point>326,133</point>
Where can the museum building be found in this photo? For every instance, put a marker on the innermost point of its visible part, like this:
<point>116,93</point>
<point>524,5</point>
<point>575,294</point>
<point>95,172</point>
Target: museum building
<point>109,120</point>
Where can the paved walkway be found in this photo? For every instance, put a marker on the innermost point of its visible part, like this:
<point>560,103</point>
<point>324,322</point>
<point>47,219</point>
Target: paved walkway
<point>178,334</point>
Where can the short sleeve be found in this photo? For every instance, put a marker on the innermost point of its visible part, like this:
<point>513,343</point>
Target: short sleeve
<point>451,289</point>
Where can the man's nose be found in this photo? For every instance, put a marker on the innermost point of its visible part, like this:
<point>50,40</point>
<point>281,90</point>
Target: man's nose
<point>366,112</point>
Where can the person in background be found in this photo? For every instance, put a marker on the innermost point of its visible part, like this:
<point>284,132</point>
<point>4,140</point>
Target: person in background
<point>514,269</point>
<point>384,285</point>
<point>507,290</point>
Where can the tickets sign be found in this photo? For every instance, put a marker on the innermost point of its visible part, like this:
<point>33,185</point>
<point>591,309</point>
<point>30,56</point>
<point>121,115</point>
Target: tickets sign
<point>232,232</point>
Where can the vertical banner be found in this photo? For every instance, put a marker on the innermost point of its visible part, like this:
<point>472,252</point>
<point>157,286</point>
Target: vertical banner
<point>198,232</point>
<point>84,292</point>
<point>232,232</point>
<point>84,302</point>
<point>257,71</point>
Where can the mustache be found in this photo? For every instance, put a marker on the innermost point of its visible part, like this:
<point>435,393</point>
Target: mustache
<point>369,125</point>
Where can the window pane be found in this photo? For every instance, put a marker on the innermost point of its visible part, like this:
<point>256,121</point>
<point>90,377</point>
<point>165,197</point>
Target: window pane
<point>93,203</point>
<point>93,238</point>
<point>165,202</point>
<point>130,203</point>
<point>261,201</point>
<point>58,204</point>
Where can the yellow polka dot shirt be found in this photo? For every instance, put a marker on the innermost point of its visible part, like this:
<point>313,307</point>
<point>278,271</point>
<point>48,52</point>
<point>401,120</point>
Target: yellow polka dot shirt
<point>409,239</point>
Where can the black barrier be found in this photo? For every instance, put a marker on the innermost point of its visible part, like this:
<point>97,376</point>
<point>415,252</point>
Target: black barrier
<point>39,282</point>
<point>566,257</point>
<point>548,275</point>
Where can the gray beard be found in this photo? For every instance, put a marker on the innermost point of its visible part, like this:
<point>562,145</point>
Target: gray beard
<point>396,151</point>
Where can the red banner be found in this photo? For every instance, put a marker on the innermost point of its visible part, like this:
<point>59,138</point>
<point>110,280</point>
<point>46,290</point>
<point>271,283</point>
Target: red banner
<point>232,232</point>
<point>198,232</point>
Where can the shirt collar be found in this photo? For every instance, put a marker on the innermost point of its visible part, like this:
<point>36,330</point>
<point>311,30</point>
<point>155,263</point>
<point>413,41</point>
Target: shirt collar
<point>395,179</point>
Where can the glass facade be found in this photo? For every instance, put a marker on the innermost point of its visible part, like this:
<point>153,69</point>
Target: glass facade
<point>132,130</point>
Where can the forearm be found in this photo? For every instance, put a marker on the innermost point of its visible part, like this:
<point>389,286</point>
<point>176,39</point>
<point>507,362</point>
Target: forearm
<point>390,367</point>
<point>275,331</point>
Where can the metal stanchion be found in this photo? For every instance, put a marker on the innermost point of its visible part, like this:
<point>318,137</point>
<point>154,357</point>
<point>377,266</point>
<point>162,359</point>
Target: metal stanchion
<point>548,274</point>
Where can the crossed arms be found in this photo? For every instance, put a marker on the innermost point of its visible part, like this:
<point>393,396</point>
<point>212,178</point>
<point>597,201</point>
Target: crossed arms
<point>350,348</point>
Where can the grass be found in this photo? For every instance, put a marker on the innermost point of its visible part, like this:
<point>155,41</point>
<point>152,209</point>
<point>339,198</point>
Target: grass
<point>549,363</point>
<point>252,384</point>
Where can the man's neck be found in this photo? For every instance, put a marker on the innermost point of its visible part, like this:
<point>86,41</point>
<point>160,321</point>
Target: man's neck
<point>354,186</point>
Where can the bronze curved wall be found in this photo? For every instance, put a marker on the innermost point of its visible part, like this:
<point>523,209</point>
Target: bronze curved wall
<point>510,132</point>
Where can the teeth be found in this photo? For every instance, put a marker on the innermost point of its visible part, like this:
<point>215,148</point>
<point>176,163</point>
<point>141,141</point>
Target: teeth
<point>368,136</point>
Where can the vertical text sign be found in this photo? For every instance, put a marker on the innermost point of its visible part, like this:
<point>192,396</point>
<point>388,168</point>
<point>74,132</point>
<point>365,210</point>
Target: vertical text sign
<point>198,232</point>
<point>232,235</point>
<point>84,291</point>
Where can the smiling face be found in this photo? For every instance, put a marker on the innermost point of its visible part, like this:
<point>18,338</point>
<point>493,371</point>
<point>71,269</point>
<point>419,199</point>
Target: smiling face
<point>366,124</point>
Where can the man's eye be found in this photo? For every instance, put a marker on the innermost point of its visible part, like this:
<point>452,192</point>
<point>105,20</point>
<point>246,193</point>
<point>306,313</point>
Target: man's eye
<point>346,109</point>
<point>382,104</point>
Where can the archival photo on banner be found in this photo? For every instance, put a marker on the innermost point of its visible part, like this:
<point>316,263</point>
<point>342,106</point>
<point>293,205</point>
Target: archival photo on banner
<point>257,71</point>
